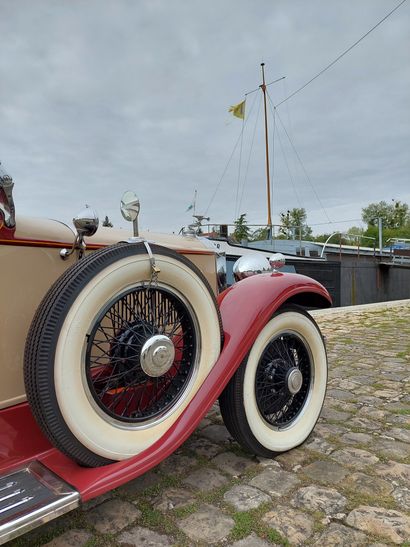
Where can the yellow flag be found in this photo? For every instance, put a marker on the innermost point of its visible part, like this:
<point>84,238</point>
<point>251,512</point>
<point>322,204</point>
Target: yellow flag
<point>238,110</point>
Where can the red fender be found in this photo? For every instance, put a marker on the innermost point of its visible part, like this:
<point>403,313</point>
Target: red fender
<point>245,308</point>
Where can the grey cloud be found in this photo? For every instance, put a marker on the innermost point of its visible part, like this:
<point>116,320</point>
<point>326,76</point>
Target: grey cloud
<point>99,97</point>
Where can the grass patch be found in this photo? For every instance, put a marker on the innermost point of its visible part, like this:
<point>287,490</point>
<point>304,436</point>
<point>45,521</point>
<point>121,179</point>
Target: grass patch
<point>356,498</point>
<point>155,520</point>
<point>244,525</point>
<point>377,385</point>
<point>247,522</point>
<point>182,512</point>
<point>382,457</point>
<point>275,537</point>
<point>216,495</point>
<point>150,517</point>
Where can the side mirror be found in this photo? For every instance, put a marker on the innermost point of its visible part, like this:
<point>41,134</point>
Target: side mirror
<point>130,208</point>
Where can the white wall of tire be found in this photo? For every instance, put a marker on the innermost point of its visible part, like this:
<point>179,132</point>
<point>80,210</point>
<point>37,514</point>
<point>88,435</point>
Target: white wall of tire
<point>107,438</point>
<point>286,438</point>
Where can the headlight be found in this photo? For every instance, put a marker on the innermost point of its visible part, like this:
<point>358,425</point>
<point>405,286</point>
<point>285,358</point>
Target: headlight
<point>249,265</point>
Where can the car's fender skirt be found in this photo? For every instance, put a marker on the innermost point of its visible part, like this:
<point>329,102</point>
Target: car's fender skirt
<point>245,308</point>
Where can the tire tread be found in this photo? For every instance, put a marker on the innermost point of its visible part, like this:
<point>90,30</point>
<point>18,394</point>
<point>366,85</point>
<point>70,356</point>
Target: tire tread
<point>43,333</point>
<point>232,405</point>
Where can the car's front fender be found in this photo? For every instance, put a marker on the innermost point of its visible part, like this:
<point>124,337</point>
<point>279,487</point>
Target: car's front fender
<point>246,307</point>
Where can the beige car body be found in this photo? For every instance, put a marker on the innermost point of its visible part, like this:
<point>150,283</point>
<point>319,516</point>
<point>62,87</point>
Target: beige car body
<point>30,263</point>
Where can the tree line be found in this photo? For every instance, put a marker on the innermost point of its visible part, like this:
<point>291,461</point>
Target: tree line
<point>395,218</point>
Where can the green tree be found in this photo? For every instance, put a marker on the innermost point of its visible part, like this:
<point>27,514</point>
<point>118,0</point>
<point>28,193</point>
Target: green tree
<point>395,220</point>
<point>107,222</point>
<point>260,234</point>
<point>355,231</point>
<point>321,237</point>
<point>336,239</point>
<point>395,215</point>
<point>241,228</point>
<point>293,224</point>
<point>401,216</point>
<point>388,233</point>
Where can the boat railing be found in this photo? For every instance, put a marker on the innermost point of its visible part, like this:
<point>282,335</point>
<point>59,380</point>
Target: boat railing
<point>357,237</point>
<point>399,250</point>
<point>272,231</point>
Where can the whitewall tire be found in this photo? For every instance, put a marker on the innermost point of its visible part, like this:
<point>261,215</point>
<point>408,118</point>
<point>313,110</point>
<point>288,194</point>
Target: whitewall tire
<point>112,360</point>
<point>274,399</point>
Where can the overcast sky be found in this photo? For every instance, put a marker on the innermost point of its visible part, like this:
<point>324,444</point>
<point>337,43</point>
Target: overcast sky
<point>97,97</point>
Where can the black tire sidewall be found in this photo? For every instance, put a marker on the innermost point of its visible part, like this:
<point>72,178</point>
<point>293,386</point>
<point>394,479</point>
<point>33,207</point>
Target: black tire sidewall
<point>46,332</point>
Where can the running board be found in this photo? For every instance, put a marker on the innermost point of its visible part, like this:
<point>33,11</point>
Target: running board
<point>31,496</point>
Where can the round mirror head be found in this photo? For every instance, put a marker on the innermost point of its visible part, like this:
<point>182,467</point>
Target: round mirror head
<point>130,206</point>
<point>277,261</point>
<point>249,265</point>
<point>86,222</point>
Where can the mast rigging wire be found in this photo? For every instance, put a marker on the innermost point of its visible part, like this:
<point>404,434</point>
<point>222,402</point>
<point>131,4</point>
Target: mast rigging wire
<point>341,55</point>
<point>272,174</point>
<point>300,161</point>
<point>250,151</point>
<point>289,171</point>
<point>239,172</point>
<point>230,159</point>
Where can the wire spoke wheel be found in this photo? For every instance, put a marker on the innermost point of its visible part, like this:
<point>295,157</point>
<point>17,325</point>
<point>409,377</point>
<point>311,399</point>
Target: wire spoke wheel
<point>113,360</point>
<point>274,399</point>
<point>283,379</point>
<point>122,384</point>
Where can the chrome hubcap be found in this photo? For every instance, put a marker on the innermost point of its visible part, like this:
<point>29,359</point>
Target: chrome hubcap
<point>157,355</point>
<point>294,380</point>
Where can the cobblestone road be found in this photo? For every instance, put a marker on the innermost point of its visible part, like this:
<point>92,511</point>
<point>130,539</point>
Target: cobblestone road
<point>349,484</point>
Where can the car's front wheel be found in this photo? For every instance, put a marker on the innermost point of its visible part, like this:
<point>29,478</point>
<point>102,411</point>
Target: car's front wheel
<point>274,399</point>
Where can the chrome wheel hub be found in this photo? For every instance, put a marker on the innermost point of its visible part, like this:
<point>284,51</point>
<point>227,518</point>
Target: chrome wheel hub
<point>157,355</point>
<point>294,380</point>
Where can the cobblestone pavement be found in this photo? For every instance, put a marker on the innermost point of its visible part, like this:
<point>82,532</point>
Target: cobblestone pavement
<point>349,484</point>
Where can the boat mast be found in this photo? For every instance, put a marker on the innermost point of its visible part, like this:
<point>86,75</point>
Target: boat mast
<point>263,87</point>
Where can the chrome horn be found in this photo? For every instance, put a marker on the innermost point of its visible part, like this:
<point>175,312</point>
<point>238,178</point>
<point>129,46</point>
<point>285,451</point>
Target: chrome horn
<point>86,223</point>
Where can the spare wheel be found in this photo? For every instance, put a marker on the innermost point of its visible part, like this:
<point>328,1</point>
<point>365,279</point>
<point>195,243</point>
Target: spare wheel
<point>114,356</point>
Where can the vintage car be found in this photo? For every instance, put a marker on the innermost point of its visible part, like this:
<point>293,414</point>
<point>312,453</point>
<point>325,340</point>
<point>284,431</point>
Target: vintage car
<point>114,347</point>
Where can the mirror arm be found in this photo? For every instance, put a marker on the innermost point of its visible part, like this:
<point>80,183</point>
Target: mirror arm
<point>135,227</point>
<point>79,244</point>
